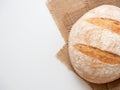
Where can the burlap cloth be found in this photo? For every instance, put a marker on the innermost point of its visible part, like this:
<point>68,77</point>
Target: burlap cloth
<point>65,14</point>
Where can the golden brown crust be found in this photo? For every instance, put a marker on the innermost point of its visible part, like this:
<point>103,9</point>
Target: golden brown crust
<point>98,54</point>
<point>106,23</point>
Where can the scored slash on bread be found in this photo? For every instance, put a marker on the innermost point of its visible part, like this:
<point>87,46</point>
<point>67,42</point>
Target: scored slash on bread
<point>106,23</point>
<point>98,54</point>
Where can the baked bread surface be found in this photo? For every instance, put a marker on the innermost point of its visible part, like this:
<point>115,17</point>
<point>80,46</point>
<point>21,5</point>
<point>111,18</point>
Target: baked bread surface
<point>94,45</point>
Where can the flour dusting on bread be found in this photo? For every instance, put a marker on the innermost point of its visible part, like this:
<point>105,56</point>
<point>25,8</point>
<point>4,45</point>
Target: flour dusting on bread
<point>99,28</point>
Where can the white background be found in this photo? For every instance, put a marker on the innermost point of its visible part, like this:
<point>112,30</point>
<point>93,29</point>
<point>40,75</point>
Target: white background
<point>29,40</point>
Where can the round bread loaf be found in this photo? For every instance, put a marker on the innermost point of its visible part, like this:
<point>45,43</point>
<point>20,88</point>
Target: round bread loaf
<point>94,45</point>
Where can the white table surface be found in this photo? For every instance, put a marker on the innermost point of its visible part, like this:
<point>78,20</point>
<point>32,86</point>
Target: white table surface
<point>29,40</point>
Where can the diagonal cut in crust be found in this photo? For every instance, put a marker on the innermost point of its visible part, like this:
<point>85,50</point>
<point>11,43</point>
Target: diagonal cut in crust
<point>106,23</point>
<point>103,56</point>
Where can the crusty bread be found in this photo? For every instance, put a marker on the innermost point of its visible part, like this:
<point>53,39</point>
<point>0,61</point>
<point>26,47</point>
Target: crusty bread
<point>94,45</point>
